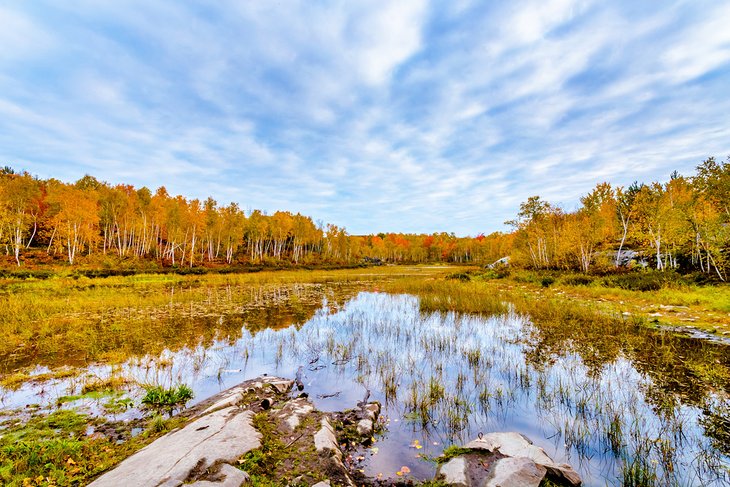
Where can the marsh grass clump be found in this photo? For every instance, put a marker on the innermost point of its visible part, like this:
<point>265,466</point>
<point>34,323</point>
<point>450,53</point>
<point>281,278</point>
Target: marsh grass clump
<point>109,384</point>
<point>638,471</point>
<point>167,399</point>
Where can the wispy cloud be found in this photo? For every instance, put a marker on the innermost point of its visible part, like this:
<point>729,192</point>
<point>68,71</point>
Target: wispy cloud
<point>403,116</point>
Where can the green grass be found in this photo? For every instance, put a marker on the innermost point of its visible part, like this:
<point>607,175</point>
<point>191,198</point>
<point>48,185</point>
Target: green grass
<point>55,450</point>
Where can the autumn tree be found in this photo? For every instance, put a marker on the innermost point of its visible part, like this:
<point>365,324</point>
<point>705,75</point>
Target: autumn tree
<point>75,220</point>
<point>20,198</point>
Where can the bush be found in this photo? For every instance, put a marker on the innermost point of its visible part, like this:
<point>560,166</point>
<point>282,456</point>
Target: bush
<point>651,280</point>
<point>460,276</point>
<point>576,280</point>
<point>547,281</point>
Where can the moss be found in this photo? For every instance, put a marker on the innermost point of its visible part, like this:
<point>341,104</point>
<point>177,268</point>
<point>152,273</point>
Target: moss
<point>452,452</point>
<point>283,458</point>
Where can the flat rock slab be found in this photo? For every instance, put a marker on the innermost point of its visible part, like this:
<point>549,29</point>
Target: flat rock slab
<point>221,436</point>
<point>203,451</point>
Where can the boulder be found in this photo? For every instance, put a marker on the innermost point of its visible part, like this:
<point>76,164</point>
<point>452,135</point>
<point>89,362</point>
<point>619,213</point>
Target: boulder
<point>505,459</point>
<point>515,472</point>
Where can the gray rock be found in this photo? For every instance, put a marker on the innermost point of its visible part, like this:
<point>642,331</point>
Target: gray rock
<point>221,436</point>
<point>510,459</point>
<point>325,440</point>
<point>372,410</point>
<point>512,445</point>
<point>227,476</point>
<point>293,411</point>
<point>365,427</point>
<point>324,483</point>
<point>454,472</point>
<point>515,472</point>
<point>562,472</point>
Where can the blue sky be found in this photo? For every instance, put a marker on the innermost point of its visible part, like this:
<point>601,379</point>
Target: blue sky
<point>402,116</point>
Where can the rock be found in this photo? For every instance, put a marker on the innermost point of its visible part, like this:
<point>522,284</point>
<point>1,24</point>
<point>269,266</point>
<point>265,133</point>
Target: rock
<point>222,436</point>
<point>516,472</point>
<point>365,427</point>
<point>512,445</point>
<point>227,476</point>
<point>563,473</point>
<point>485,443</point>
<point>294,410</point>
<point>324,483</point>
<point>325,440</point>
<point>233,395</point>
<point>453,472</point>
<point>505,459</point>
<point>372,410</point>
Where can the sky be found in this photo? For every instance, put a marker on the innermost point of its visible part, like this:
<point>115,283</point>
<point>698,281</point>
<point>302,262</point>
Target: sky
<point>403,116</point>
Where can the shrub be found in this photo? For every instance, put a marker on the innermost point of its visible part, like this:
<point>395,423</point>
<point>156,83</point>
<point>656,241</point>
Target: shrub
<point>576,280</point>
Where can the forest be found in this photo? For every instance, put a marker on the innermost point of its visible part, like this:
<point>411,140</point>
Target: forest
<point>682,224</point>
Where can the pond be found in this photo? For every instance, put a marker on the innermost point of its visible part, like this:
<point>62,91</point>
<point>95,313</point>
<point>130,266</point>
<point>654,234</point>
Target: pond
<point>617,408</point>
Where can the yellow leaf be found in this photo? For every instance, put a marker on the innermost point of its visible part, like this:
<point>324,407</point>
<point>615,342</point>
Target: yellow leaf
<point>399,473</point>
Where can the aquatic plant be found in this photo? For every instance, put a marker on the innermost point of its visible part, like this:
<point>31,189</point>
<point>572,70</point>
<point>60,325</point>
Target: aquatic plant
<point>167,399</point>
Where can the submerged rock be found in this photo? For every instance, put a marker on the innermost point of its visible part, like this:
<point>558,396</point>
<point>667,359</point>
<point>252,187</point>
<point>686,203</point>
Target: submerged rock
<point>505,459</point>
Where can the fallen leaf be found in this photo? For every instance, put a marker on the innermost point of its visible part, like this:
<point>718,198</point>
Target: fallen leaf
<point>405,469</point>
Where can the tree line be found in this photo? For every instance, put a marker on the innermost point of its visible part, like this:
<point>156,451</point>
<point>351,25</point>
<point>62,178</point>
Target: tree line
<point>682,224</point>
<point>90,219</point>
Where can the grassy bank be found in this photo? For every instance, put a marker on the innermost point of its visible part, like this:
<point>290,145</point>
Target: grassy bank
<point>655,298</point>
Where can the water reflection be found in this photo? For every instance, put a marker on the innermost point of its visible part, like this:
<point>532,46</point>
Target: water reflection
<point>613,403</point>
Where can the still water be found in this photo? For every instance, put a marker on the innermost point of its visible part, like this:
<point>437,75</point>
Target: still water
<point>605,408</point>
